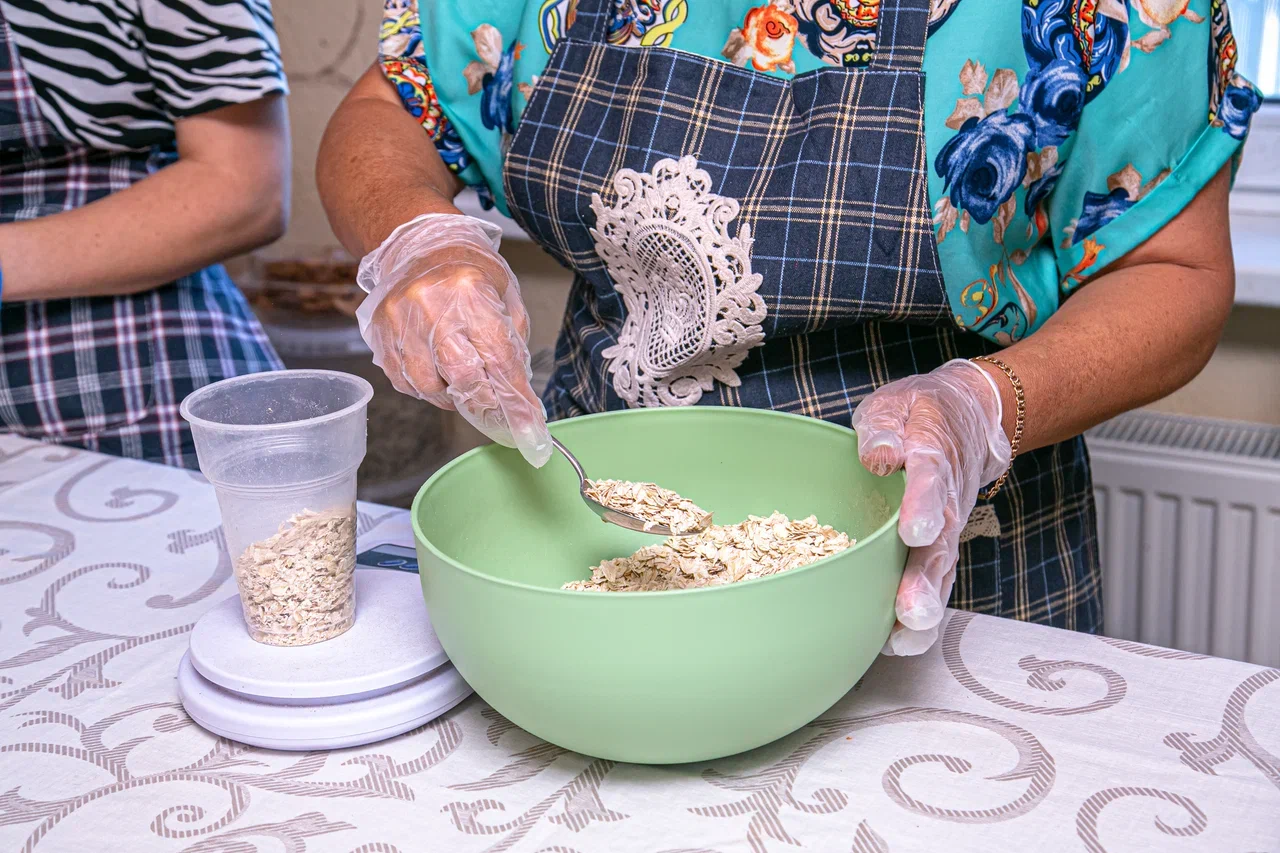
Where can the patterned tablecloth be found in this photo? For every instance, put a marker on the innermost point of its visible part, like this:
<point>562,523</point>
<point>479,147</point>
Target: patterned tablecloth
<point>1005,737</point>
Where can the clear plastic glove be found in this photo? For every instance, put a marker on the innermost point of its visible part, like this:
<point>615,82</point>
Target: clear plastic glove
<point>445,322</point>
<point>944,428</point>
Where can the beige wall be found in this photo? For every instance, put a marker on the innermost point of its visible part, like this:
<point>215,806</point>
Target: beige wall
<point>1242,381</point>
<point>328,43</point>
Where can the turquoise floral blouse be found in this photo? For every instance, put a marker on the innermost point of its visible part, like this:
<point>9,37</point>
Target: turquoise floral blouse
<point>1061,134</point>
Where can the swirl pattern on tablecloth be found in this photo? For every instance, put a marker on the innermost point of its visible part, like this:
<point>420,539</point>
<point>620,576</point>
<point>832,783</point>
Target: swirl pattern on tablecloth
<point>1003,728</point>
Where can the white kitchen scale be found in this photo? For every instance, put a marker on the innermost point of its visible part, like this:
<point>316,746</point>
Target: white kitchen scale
<point>386,675</point>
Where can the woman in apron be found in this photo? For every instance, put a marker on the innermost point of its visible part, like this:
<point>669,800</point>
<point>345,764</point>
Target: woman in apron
<point>141,141</point>
<point>764,205</point>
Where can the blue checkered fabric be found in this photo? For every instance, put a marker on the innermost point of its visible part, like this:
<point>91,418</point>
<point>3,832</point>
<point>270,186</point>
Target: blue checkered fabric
<point>108,373</point>
<point>828,170</point>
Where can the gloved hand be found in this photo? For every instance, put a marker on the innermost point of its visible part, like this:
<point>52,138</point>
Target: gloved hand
<point>944,428</point>
<point>445,322</point>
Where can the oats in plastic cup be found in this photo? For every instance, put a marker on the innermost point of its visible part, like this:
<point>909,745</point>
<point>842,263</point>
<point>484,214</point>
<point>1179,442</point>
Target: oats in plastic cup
<point>281,450</point>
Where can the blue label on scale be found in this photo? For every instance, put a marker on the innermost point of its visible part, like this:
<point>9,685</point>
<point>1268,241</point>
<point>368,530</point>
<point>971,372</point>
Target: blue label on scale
<point>395,557</point>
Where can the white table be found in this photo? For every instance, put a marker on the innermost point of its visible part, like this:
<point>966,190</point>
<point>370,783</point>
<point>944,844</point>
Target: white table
<point>1005,737</point>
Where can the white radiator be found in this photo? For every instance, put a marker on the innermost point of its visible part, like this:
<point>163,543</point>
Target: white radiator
<point>1189,533</point>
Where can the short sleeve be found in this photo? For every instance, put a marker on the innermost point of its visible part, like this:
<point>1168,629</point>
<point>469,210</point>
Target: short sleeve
<point>206,54</point>
<point>1174,114</point>
<point>402,56</point>
<point>465,72</point>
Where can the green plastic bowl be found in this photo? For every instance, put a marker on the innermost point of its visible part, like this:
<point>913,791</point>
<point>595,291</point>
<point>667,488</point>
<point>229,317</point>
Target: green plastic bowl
<point>659,677</point>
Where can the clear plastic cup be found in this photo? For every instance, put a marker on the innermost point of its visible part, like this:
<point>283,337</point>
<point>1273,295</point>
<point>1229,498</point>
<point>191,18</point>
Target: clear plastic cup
<point>281,450</point>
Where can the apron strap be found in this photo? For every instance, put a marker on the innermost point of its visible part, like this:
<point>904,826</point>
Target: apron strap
<point>590,20</point>
<point>900,35</point>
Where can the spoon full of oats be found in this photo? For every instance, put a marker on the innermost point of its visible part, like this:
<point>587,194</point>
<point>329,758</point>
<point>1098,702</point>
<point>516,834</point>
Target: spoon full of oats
<point>644,507</point>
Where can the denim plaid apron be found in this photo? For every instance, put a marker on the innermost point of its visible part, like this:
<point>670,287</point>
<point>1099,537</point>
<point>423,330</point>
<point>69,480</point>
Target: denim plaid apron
<point>106,373</point>
<point>744,240</point>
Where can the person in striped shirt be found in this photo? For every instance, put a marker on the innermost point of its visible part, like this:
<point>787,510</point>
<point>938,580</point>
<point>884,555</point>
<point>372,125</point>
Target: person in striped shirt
<point>141,142</point>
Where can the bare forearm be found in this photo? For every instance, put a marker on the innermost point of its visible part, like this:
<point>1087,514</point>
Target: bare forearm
<point>377,168</point>
<point>1138,331</point>
<point>164,227</point>
<point>228,193</point>
<point>1116,345</point>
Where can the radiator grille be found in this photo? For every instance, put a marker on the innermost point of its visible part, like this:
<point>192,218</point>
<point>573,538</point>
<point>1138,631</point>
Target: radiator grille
<point>1189,529</point>
<point>1176,432</point>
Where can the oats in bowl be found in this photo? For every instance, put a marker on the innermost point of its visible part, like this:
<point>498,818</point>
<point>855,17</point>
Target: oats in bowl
<point>656,506</point>
<point>721,554</point>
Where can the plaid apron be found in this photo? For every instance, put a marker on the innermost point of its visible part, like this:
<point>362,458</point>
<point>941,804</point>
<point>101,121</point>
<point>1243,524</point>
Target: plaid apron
<point>106,373</point>
<point>744,240</point>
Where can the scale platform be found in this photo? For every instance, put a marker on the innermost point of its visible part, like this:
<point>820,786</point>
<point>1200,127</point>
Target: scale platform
<point>385,676</point>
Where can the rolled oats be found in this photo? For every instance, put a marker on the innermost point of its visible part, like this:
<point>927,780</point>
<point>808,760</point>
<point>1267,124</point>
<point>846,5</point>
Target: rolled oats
<point>721,554</point>
<point>656,506</point>
<point>298,586</point>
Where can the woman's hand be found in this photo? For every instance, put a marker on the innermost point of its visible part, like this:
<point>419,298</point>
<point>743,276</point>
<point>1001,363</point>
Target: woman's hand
<point>443,315</point>
<point>944,428</point>
<point>445,322</point>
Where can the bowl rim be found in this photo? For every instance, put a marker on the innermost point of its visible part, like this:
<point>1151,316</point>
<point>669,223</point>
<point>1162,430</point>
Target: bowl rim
<point>888,528</point>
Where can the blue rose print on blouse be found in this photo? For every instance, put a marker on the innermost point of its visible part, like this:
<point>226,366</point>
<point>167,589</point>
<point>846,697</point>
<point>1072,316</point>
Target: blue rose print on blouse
<point>1125,188</point>
<point>1010,135</point>
<point>1232,103</point>
<point>1098,210</point>
<point>1239,103</point>
<point>495,102</point>
<point>1069,60</point>
<point>492,77</point>
<point>1060,30</point>
<point>985,162</point>
<point>1038,190</point>
<point>1054,98</point>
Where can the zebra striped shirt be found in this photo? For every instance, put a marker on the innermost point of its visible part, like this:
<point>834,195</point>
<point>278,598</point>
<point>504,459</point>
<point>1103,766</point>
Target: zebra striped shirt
<point>114,75</point>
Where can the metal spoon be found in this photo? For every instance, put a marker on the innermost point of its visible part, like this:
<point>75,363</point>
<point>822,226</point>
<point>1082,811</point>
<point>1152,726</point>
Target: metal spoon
<point>613,516</point>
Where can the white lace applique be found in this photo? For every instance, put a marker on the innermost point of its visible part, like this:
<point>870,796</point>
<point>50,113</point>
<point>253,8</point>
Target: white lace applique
<point>692,308</point>
<point>983,521</point>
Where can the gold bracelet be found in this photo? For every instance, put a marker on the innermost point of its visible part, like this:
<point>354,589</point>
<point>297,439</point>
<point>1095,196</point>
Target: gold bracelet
<point>1021,402</point>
